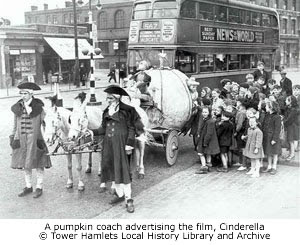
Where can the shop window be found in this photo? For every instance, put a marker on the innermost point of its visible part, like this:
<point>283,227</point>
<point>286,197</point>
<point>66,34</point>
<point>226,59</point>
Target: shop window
<point>102,20</point>
<point>246,17</point>
<point>220,62</point>
<point>221,13</point>
<point>185,61</point>
<point>188,9</point>
<point>206,63</point>
<point>234,15</point>
<point>233,62</point>
<point>122,47</point>
<point>206,11</point>
<point>119,19</point>
<point>256,19</point>
<point>245,61</point>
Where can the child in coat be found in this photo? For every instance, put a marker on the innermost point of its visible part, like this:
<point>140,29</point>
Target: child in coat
<point>207,142</point>
<point>254,149</point>
<point>224,133</point>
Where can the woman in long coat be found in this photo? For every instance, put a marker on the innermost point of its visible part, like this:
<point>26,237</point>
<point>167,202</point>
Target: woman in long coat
<point>29,148</point>
<point>271,130</point>
<point>120,125</point>
<point>207,143</point>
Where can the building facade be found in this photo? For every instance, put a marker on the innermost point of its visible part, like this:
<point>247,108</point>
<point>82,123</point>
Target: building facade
<point>114,19</point>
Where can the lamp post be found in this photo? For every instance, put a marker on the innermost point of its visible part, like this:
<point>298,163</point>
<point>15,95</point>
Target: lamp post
<point>76,66</point>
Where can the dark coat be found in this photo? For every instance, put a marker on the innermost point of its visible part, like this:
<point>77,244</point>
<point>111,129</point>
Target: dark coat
<point>207,141</point>
<point>119,131</point>
<point>286,85</point>
<point>257,73</point>
<point>271,130</point>
<point>241,122</point>
<point>224,133</point>
<point>29,150</point>
<point>291,124</point>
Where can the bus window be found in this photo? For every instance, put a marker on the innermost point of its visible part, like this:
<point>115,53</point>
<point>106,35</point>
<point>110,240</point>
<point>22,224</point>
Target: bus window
<point>220,62</point>
<point>151,56</point>
<point>188,9</point>
<point>142,11</point>
<point>206,63</point>
<point>245,61</point>
<point>233,62</point>
<point>185,61</point>
<point>256,19</point>
<point>164,9</point>
<point>206,11</point>
<point>254,59</point>
<point>266,58</point>
<point>273,20</point>
<point>246,17</point>
<point>234,15</point>
<point>221,13</point>
<point>266,20</point>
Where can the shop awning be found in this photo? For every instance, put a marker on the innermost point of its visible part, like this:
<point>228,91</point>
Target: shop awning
<point>65,48</point>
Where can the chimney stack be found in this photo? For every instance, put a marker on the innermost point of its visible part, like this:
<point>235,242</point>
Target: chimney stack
<point>45,6</point>
<point>68,4</point>
<point>34,8</point>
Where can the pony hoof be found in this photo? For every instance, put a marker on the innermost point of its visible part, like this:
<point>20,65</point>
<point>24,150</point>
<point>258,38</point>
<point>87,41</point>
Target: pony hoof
<point>81,188</point>
<point>99,174</point>
<point>141,176</point>
<point>88,170</point>
<point>69,186</point>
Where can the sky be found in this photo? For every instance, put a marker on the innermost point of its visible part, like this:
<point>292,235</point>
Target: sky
<point>14,9</point>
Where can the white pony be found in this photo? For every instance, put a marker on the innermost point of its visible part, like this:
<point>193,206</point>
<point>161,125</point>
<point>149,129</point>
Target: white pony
<point>134,100</point>
<point>58,127</point>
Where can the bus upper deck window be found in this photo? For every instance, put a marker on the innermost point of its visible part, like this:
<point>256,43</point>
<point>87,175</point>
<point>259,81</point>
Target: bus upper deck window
<point>206,11</point>
<point>188,9</point>
<point>164,9</point>
<point>246,17</point>
<point>256,19</point>
<point>266,20</point>
<point>221,13</point>
<point>234,15</point>
<point>273,20</point>
<point>142,11</point>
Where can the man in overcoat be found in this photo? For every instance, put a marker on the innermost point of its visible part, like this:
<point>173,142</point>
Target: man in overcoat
<point>120,125</point>
<point>29,150</point>
<point>286,84</point>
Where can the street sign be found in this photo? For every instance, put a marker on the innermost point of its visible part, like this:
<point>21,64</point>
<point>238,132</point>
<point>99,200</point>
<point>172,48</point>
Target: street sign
<point>116,45</point>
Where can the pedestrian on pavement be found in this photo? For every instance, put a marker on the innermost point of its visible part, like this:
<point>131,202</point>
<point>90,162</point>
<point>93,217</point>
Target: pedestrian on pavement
<point>120,125</point>
<point>286,84</point>
<point>254,149</point>
<point>271,130</point>
<point>291,124</point>
<point>112,73</point>
<point>29,148</point>
<point>82,74</point>
<point>122,74</point>
<point>207,142</point>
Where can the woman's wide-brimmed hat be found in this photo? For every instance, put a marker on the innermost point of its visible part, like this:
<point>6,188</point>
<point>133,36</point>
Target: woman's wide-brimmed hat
<point>116,89</point>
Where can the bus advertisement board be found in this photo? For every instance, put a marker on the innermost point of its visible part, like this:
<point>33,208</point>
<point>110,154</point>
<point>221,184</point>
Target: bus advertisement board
<point>221,34</point>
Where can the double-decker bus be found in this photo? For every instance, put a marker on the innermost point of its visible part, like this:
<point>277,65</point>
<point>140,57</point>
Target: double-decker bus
<point>209,39</point>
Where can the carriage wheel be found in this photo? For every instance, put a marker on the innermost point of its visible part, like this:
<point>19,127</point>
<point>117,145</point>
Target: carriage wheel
<point>172,147</point>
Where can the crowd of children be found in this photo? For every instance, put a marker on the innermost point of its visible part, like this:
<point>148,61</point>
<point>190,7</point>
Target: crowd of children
<point>243,124</point>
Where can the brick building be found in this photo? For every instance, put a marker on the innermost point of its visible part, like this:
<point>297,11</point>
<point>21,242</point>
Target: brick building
<point>112,22</point>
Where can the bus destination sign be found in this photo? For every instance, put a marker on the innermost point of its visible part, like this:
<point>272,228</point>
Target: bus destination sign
<point>150,36</point>
<point>218,34</point>
<point>150,25</point>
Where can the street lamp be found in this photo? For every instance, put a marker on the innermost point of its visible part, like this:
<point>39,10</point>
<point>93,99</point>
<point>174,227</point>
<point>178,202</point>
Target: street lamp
<point>96,51</point>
